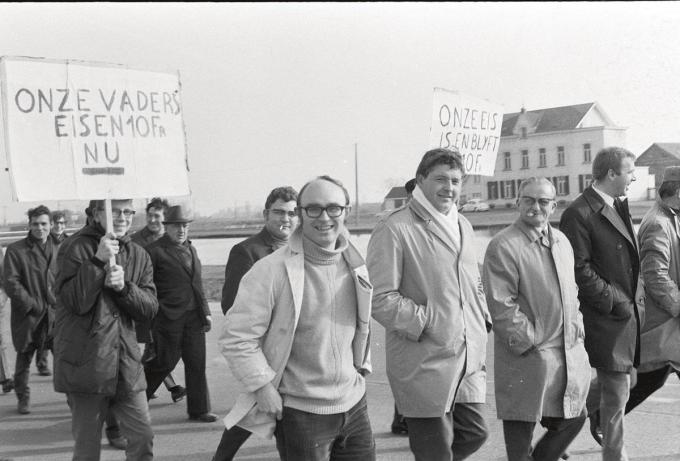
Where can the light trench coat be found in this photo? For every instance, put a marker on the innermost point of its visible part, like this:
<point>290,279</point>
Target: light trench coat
<point>428,295</point>
<point>516,293</point>
<point>259,329</point>
<point>660,266</point>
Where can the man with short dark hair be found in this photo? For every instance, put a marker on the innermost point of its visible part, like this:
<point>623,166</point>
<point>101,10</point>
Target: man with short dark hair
<point>154,229</point>
<point>184,315</point>
<point>105,285</point>
<point>280,220</point>
<point>313,291</point>
<point>611,293</point>
<point>541,369</point>
<point>30,267</point>
<point>660,267</point>
<point>428,295</point>
<point>58,231</point>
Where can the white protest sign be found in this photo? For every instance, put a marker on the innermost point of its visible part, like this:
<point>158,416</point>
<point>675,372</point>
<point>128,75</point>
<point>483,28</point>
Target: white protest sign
<point>472,125</point>
<point>79,130</point>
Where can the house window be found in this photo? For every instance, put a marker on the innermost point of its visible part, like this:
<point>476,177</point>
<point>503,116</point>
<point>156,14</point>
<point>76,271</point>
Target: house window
<point>586,153</point>
<point>492,189</point>
<point>476,195</point>
<point>541,158</point>
<point>561,184</point>
<point>584,180</point>
<point>507,163</point>
<point>525,159</point>
<point>508,189</point>
<point>560,155</point>
<point>476,179</point>
<point>524,132</point>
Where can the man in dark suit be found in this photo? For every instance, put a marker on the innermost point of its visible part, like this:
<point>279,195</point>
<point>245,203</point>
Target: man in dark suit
<point>280,221</point>
<point>607,269</point>
<point>183,317</point>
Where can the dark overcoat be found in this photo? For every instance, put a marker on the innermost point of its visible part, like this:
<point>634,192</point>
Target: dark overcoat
<point>607,270</point>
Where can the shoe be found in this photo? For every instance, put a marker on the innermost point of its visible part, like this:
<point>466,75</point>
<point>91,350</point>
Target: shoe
<point>24,405</point>
<point>153,396</point>
<point>7,386</point>
<point>204,418</point>
<point>595,430</point>
<point>177,393</point>
<point>565,455</point>
<point>399,426</point>
<point>44,372</point>
<point>119,442</point>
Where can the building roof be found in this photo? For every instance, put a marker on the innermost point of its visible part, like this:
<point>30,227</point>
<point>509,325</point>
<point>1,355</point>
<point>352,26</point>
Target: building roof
<point>396,192</point>
<point>546,120</point>
<point>665,149</point>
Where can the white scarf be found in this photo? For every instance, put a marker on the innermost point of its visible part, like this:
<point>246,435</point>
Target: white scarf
<point>448,222</point>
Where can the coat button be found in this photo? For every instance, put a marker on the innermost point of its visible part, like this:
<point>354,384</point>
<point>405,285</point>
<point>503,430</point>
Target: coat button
<point>619,246</point>
<point>115,315</point>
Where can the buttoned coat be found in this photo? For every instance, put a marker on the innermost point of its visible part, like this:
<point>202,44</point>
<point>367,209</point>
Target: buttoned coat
<point>516,294</point>
<point>429,297</point>
<point>241,258</point>
<point>29,277</point>
<point>660,256</point>
<point>611,291</point>
<point>175,283</point>
<point>257,336</point>
<point>95,345</point>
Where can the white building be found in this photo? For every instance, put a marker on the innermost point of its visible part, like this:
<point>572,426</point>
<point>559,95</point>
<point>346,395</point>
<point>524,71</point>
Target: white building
<point>559,143</point>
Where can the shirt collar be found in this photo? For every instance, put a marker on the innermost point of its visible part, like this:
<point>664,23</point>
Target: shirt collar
<point>608,199</point>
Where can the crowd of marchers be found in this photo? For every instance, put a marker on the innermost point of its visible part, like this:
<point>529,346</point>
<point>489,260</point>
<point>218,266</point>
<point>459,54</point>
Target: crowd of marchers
<point>585,316</point>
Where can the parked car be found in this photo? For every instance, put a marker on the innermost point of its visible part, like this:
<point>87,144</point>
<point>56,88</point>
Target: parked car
<point>475,204</point>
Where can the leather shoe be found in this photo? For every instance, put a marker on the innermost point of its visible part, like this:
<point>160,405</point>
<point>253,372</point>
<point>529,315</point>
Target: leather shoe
<point>119,442</point>
<point>7,386</point>
<point>24,405</point>
<point>204,418</point>
<point>399,426</point>
<point>177,393</point>
<point>595,430</point>
<point>44,371</point>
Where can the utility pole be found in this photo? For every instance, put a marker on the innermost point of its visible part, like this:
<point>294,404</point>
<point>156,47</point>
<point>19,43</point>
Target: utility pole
<point>356,183</point>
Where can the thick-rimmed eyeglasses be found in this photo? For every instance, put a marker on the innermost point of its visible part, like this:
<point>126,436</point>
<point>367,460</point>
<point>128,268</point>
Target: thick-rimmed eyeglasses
<point>333,211</point>
<point>542,202</point>
<point>281,213</point>
<point>117,212</point>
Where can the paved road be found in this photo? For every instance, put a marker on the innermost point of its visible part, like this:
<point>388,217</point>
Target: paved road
<point>653,430</point>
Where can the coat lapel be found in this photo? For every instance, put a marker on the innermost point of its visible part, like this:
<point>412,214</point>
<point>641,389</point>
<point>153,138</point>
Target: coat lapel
<point>432,226</point>
<point>610,214</point>
<point>173,252</point>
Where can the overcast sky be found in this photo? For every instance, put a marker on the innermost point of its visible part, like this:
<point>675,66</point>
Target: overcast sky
<point>274,94</point>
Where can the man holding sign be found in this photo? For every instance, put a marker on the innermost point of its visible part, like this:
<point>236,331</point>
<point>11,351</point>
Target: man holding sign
<point>97,359</point>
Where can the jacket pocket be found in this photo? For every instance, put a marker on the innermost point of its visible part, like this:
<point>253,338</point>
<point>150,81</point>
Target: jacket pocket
<point>622,310</point>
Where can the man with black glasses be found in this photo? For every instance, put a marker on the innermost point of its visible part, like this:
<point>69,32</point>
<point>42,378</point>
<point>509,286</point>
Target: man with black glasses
<point>297,337</point>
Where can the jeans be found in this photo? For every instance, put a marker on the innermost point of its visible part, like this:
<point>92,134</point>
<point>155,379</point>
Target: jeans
<point>303,436</point>
<point>132,411</point>
<point>454,436</point>
<point>560,433</point>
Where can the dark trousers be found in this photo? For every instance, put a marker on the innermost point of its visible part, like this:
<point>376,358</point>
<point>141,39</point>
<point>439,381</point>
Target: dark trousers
<point>303,436</point>
<point>232,440</point>
<point>181,338</point>
<point>560,433</point>
<point>454,436</point>
<point>647,384</point>
<point>23,363</point>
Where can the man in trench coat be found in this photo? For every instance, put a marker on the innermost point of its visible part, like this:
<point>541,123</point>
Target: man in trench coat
<point>611,293</point>
<point>541,367</point>
<point>428,295</point>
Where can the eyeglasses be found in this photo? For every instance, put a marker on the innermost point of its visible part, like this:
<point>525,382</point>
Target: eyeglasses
<point>281,213</point>
<point>60,222</point>
<point>542,202</point>
<point>333,211</point>
<point>117,212</point>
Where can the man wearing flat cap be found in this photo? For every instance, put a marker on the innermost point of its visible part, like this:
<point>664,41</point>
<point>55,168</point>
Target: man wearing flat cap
<point>183,316</point>
<point>660,267</point>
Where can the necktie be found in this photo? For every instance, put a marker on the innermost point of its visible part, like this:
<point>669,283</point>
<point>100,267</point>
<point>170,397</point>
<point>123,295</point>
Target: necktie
<point>622,209</point>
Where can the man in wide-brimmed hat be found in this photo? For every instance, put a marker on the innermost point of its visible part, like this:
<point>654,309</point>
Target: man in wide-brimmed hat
<point>183,316</point>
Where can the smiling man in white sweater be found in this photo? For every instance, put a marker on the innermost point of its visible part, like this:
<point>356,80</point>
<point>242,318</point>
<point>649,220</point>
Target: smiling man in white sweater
<point>297,337</point>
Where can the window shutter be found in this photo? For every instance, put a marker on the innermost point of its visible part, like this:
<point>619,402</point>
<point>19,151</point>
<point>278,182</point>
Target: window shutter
<point>566,185</point>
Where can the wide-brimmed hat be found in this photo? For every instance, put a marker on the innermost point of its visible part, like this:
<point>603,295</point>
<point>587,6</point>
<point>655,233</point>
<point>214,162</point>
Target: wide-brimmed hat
<point>671,173</point>
<point>177,215</point>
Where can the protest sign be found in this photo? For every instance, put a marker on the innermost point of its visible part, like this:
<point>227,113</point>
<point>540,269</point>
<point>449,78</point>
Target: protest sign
<point>471,125</point>
<point>81,130</point>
